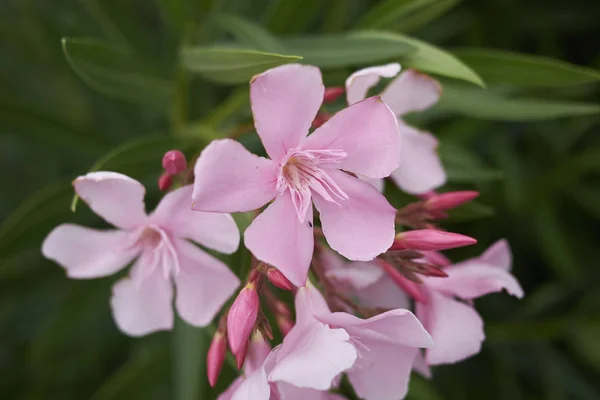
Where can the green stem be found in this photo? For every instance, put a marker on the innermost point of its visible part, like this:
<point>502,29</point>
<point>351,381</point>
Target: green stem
<point>189,356</point>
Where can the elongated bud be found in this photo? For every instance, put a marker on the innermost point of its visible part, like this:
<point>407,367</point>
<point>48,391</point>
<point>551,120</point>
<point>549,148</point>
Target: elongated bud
<point>447,201</point>
<point>277,279</point>
<point>174,162</point>
<point>332,94</point>
<point>164,182</point>
<point>437,258</point>
<point>240,356</point>
<point>242,316</point>
<point>409,287</point>
<point>430,240</point>
<point>215,357</point>
<point>320,119</point>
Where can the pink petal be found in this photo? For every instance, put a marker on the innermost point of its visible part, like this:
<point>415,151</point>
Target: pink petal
<point>420,366</point>
<point>285,100</point>
<point>368,132</point>
<point>473,279</point>
<point>115,197</point>
<point>291,392</point>
<point>357,275</point>
<point>258,351</point>
<point>382,372</point>
<point>143,306</point>
<point>383,294</point>
<point>312,355</point>
<point>377,183</point>
<point>420,169</point>
<point>278,238</point>
<point>88,253</point>
<point>228,178</point>
<point>213,230</point>
<point>309,303</point>
<point>203,284</point>
<point>456,328</point>
<point>498,255</point>
<point>411,91</point>
<point>360,228</point>
<point>230,391</point>
<point>359,83</point>
<point>254,387</point>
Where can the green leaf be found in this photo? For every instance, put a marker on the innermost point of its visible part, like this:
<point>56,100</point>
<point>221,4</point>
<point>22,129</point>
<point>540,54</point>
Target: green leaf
<point>428,58</point>
<point>425,15</point>
<point>231,66</point>
<point>178,13</point>
<point>463,166</point>
<point>584,339</point>
<point>588,198</point>
<point>486,104</point>
<point>291,16</point>
<point>189,357</point>
<point>404,15</point>
<point>249,33</point>
<point>113,72</point>
<point>422,389</point>
<point>506,67</point>
<point>334,51</point>
<point>473,210</point>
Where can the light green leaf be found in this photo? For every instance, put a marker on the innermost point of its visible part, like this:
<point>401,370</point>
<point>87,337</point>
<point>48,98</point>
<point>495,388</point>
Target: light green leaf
<point>112,72</point>
<point>249,33</point>
<point>404,15</point>
<point>486,104</point>
<point>428,58</point>
<point>334,51</point>
<point>506,67</point>
<point>231,66</point>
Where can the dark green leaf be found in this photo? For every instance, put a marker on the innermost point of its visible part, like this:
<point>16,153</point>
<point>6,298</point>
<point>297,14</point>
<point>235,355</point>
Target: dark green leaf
<point>231,66</point>
<point>290,16</point>
<point>404,15</point>
<point>506,67</point>
<point>422,389</point>
<point>249,33</point>
<point>190,345</point>
<point>334,51</point>
<point>588,198</point>
<point>463,166</point>
<point>179,13</point>
<point>425,15</point>
<point>113,72</point>
<point>471,211</point>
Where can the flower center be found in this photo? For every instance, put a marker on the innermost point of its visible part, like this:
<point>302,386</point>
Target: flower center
<point>304,171</point>
<point>157,251</point>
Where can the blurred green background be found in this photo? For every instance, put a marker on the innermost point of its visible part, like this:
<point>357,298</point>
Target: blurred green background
<point>536,163</point>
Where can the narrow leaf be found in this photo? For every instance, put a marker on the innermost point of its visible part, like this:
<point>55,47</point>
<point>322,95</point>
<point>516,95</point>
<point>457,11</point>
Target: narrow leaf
<point>388,12</point>
<point>424,15</point>
<point>249,33</point>
<point>189,347</point>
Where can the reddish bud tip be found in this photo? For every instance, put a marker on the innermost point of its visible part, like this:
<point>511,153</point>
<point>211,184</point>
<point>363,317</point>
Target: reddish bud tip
<point>410,288</point>
<point>320,119</point>
<point>332,94</point>
<point>447,201</point>
<point>277,279</point>
<point>430,240</point>
<point>174,162</point>
<point>240,356</point>
<point>215,357</point>
<point>164,182</point>
<point>242,316</point>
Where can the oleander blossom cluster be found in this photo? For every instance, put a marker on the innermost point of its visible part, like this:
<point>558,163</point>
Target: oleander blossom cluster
<point>369,263</point>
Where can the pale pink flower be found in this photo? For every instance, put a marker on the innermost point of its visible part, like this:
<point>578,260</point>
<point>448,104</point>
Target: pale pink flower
<point>255,384</point>
<point>420,169</point>
<point>357,220</point>
<point>142,302</point>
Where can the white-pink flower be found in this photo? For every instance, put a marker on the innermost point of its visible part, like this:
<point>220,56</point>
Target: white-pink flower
<point>142,302</point>
<point>420,169</point>
<point>357,220</point>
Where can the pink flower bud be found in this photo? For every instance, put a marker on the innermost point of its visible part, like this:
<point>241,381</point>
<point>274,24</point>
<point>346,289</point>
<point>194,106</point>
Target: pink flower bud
<point>447,201</point>
<point>174,162</point>
<point>277,279</point>
<point>242,316</point>
<point>410,288</point>
<point>215,357</point>
<point>164,182</point>
<point>437,258</point>
<point>332,94</point>
<point>430,240</point>
<point>240,356</point>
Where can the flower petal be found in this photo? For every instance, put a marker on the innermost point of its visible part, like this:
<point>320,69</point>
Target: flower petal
<point>278,238</point>
<point>291,392</point>
<point>309,303</point>
<point>421,366</point>
<point>203,284</point>
<point>420,169</point>
<point>117,198</point>
<point>359,83</point>
<point>228,178</point>
<point>377,183</point>
<point>213,230</point>
<point>456,328</point>
<point>368,132</point>
<point>498,255</point>
<point>254,387</point>
<point>382,372</point>
<point>88,253</point>
<point>143,306</point>
<point>360,228</point>
<point>411,91</point>
<point>285,100</point>
<point>230,391</point>
<point>383,294</point>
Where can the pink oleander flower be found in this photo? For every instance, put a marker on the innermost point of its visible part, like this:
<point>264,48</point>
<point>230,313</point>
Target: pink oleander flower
<point>142,302</point>
<point>255,384</point>
<point>420,169</point>
<point>357,220</point>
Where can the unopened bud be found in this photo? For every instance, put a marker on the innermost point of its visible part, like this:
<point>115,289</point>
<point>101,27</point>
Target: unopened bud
<point>215,357</point>
<point>332,94</point>
<point>410,288</point>
<point>430,240</point>
<point>278,279</point>
<point>240,356</point>
<point>449,200</point>
<point>320,119</point>
<point>437,258</point>
<point>242,316</point>
<point>174,162</point>
<point>164,182</point>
